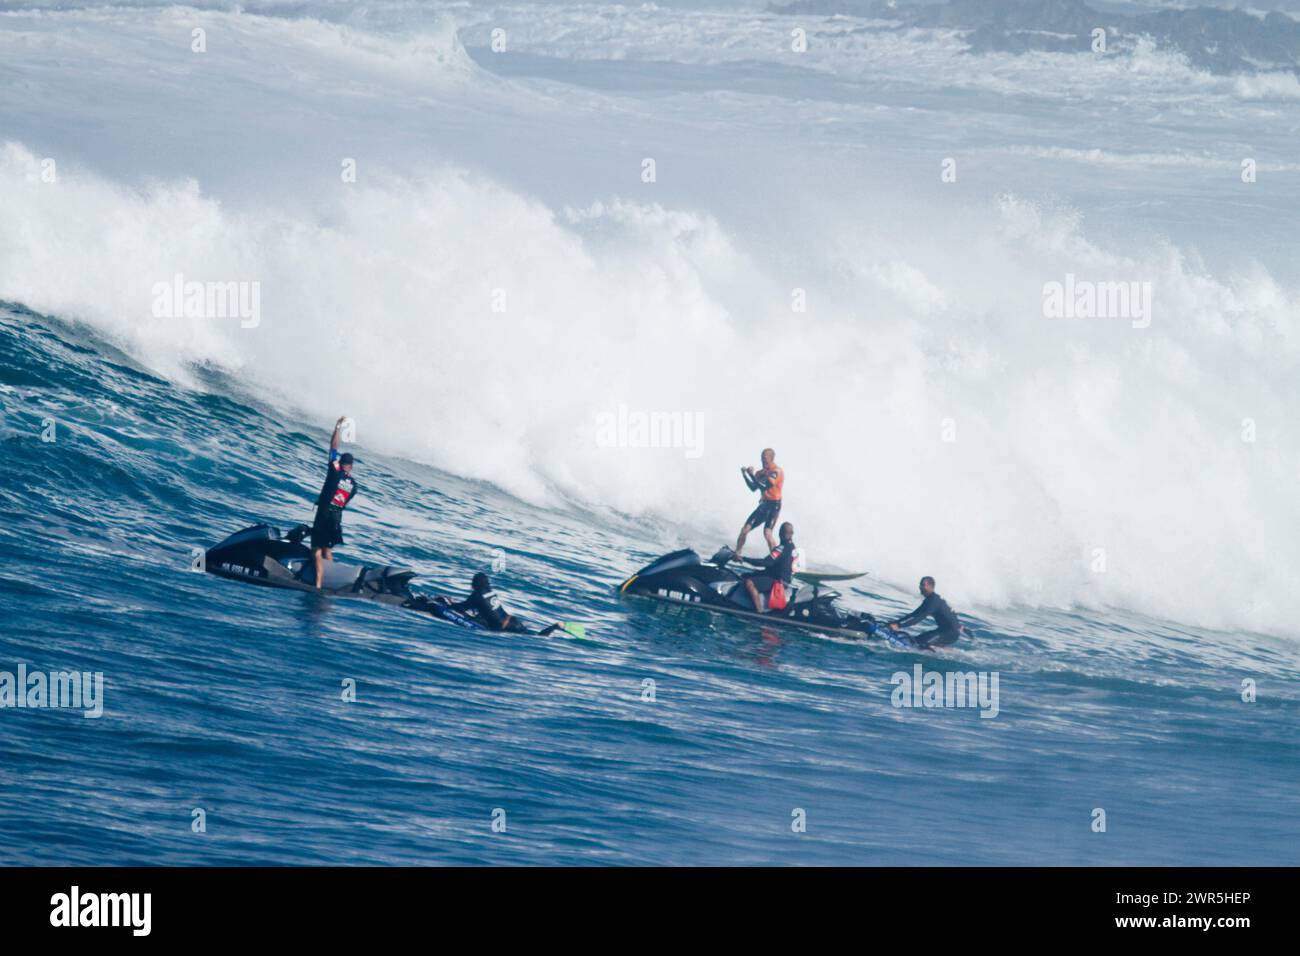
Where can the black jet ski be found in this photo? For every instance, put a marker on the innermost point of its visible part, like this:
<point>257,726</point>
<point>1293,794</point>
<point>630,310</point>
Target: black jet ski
<point>264,555</point>
<point>682,578</point>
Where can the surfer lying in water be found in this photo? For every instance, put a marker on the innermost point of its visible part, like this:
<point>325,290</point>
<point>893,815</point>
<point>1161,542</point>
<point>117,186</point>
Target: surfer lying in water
<point>485,607</point>
<point>947,629</point>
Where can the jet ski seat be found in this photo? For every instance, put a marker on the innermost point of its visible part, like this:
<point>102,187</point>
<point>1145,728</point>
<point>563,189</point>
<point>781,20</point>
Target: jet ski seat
<point>794,593</point>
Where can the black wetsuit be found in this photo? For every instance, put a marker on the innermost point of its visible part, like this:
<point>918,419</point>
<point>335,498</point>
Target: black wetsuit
<point>487,609</point>
<point>777,566</point>
<point>947,628</point>
<point>335,495</point>
<point>780,563</point>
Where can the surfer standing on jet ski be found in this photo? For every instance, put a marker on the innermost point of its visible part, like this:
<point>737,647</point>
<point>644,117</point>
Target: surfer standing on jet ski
<point>948,629</point>
<point>778,568</point>
<point>768,481</point>
<point>339,489</point>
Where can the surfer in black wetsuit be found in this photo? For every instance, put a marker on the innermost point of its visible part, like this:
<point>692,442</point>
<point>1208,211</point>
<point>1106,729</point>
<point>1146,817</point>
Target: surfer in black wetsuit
<point>778,568</point>
<point>335,494</point>
<point>947,628</point>
<point>484,605</point>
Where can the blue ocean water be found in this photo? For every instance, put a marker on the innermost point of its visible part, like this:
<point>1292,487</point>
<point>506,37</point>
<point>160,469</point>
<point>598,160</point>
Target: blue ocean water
<point>228,698</point>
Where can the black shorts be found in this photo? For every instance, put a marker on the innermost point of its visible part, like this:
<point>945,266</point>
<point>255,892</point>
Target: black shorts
<point>765,514</point>
<point>327,530</point>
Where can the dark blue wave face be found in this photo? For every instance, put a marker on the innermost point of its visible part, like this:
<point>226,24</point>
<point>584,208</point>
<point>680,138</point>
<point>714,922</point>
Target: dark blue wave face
<point>669,736</point>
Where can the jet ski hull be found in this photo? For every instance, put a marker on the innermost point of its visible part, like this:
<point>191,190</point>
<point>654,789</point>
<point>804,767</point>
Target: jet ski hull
<point>682,578</point>
<point>262,555</point>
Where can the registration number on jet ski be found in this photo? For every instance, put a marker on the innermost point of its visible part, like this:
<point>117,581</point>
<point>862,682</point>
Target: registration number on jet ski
<point>240,569</point>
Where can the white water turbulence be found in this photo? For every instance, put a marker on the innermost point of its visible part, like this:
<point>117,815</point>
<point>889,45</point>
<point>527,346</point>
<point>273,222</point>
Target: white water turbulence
<point>501,277</point>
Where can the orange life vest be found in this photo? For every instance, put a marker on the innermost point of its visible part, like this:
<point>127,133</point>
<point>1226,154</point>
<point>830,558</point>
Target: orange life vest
<point>775,477</point>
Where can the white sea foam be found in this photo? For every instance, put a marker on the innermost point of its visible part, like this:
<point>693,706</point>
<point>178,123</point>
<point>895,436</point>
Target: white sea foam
<point>1091,462</point>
